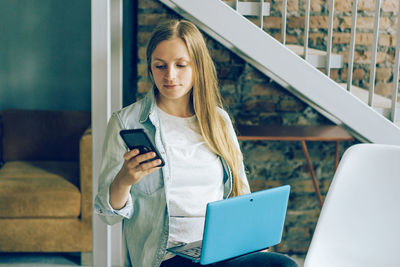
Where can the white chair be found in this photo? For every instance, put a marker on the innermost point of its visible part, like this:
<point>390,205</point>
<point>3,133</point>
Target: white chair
<point>359,223</point>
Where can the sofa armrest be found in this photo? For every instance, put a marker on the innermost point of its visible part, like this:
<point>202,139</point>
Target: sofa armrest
<point>85,162</point>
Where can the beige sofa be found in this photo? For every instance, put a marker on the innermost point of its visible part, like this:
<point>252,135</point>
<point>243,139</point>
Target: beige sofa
<point>45,182</point>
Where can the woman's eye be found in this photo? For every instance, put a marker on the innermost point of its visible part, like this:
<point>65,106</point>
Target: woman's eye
<point>181,65</point>
<point>160,67</point>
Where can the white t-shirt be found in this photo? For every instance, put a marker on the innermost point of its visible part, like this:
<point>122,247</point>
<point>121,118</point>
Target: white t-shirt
<point>196,177</point>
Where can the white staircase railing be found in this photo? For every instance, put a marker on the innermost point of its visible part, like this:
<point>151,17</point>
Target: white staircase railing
<point>394,106</point>
<point>292,72</point>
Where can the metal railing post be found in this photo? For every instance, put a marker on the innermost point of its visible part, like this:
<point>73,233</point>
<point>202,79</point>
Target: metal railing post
<point>396,71</point>
<point>374,52</point>
<point>284,16</point>
<point>261,13</point>
<point>352,45</point>
<point>306,29</point>
<point>330,33</point>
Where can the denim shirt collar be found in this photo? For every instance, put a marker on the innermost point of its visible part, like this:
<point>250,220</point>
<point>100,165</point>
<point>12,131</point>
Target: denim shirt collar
<point>148,107</point>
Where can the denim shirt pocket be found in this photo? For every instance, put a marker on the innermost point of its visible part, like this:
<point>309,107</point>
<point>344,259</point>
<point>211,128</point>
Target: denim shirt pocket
<point>149,183</point>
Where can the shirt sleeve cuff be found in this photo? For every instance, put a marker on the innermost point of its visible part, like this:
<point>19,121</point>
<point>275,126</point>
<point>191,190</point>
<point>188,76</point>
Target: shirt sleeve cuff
<point>104,207</point>
<point>126,211</point>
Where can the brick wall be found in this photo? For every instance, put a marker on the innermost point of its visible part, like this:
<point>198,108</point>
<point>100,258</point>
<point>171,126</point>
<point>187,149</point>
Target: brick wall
<point>251,98</point>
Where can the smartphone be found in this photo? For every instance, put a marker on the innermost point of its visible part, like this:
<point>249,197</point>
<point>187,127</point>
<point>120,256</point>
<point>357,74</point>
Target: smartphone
<point>138,139</point>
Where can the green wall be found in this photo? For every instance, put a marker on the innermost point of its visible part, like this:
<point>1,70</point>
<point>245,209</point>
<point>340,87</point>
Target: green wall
<point>45,54</point>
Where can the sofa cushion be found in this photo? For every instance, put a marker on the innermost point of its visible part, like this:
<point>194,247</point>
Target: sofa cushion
<point>44,235</point>
<point>42,135</point>
<point>39,189</point>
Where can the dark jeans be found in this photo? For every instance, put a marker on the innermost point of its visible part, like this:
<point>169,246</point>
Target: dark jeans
<point>259,259</point>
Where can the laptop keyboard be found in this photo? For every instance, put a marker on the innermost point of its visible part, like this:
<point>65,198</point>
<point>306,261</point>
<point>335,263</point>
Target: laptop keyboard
<point>192,252</point>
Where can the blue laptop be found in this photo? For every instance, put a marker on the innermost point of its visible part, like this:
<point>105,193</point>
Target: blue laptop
<point>239,225</point>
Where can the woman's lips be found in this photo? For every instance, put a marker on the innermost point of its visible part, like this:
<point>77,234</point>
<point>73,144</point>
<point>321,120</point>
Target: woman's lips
<point>170,86</point>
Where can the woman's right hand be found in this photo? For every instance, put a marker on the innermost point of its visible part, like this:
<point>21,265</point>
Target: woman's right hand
<point>132,171</point>
<point>134,168</point>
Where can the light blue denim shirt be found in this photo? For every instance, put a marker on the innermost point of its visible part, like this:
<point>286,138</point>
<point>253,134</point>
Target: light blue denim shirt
<point>145,215</point>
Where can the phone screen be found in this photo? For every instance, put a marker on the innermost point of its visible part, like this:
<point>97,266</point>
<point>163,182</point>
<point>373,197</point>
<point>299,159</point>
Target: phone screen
<point>138,139</point>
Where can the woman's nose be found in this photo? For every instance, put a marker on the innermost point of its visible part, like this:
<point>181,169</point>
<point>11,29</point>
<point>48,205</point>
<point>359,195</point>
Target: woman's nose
<point>171,73</point>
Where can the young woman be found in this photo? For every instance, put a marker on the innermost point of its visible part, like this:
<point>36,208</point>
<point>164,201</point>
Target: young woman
<point>183,116</point>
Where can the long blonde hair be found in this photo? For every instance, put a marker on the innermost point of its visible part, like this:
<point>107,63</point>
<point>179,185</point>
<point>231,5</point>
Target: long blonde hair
<point>205,93</point>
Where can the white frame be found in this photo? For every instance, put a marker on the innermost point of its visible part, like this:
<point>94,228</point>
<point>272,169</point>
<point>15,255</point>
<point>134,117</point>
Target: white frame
<point>108,246</point>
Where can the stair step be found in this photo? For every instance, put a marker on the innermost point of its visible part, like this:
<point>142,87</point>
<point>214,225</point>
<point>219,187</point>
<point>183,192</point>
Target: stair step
<point>317,58</point>
<point>250,8</point>
<point>381,103</point>
<point>379,100</point>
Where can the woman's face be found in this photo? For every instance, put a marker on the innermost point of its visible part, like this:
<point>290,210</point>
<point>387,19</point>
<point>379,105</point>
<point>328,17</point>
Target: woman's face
<point>172,71</point>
